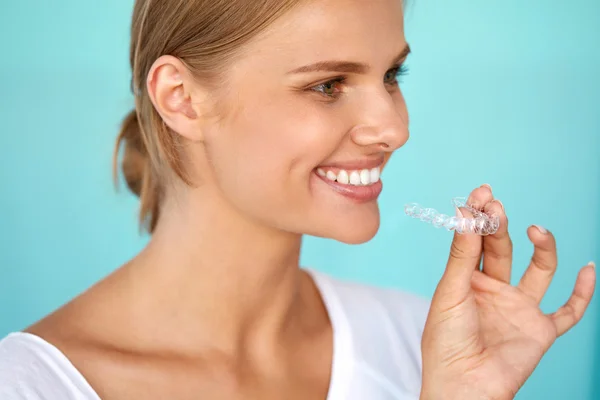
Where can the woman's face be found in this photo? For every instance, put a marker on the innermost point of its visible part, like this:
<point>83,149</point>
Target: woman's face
<point>314,113</point>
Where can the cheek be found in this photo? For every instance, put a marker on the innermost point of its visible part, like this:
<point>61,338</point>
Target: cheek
<point>263,158</point>
<point>291,136</point>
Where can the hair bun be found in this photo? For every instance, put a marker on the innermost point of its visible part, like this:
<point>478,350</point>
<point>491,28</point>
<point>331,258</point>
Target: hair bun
<point>135,158</point>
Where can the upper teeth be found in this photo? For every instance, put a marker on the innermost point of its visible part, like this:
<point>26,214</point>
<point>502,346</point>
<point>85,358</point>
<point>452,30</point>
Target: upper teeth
<point>357,178</point>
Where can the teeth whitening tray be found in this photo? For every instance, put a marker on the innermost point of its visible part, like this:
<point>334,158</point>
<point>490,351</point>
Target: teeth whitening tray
<point>481,223</point>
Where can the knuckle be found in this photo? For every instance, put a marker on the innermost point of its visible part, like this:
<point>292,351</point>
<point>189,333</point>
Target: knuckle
<point>456,251</point>
<point>574,314</point>
<point>497,254</point>
<point>547,264</point>
<point>501,250</point>
<point>460,253</point>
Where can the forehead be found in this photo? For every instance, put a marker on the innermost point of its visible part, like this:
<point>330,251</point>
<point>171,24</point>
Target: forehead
<point>335,29</point>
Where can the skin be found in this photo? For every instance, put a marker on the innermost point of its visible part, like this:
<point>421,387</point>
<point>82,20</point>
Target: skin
<point>484,337</point>
<point>217,304</point>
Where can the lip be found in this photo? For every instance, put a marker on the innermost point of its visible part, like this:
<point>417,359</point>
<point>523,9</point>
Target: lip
<point>359,194</point>
<point>367,163</point>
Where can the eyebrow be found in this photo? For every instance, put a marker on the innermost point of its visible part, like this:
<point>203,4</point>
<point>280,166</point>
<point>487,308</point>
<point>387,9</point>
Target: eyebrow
<point>345,66</point>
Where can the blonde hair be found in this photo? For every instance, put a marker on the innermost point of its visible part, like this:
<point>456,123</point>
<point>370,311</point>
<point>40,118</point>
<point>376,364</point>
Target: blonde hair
<point>205,35</point>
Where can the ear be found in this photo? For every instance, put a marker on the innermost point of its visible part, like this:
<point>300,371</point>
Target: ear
<point>171,89</point>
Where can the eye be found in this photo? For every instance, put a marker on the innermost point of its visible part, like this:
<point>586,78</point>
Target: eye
<point>330,88</point>
<point>393,75</point>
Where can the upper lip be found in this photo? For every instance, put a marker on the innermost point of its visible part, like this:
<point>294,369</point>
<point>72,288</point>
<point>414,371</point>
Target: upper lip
<point>365,163</point>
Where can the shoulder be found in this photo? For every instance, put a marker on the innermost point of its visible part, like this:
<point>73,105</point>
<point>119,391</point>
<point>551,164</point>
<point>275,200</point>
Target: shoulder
<point>404,311</point>
<point>382,327</point>
<point>33,369</point>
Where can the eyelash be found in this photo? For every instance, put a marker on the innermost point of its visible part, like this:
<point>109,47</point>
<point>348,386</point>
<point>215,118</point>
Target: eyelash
<point>398,71</point>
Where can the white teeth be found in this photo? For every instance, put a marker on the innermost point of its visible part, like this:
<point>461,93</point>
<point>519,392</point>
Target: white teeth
<point>354,178</point>
<point>365,177</point>
<point>357,178</point>
<point>342,177</point>
<point>374,175</point>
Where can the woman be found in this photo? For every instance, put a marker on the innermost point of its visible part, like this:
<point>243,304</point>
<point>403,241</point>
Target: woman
<point>256,123</point>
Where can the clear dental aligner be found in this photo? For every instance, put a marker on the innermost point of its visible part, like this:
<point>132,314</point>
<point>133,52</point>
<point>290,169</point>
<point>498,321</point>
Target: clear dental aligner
<point>481,223</point>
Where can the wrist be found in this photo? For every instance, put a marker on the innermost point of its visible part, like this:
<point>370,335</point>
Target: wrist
<point>452,395</point>
<point>444,391</point>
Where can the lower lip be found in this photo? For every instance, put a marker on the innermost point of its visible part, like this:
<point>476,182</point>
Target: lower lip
<point>361,194</point>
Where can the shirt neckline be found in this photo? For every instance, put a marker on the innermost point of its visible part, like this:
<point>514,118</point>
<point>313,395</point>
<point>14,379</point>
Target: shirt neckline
<point>342,359</point>
<point>342,362</point>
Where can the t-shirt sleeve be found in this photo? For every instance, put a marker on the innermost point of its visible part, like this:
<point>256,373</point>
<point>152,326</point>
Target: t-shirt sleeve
<point>21,375</point>
<point>33,370</point>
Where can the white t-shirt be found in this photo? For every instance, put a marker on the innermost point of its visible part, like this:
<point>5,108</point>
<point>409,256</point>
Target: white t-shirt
<point>377,350</point>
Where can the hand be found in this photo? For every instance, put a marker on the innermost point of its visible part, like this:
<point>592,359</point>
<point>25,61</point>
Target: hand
<point>483,337</point>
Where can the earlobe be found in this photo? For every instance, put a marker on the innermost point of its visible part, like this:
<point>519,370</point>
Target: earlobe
<point>170,89</point>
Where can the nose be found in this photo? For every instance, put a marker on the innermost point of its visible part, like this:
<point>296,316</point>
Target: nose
<point>383,123</point>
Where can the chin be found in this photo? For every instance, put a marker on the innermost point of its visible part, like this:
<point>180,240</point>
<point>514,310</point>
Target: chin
<point>355,231</point>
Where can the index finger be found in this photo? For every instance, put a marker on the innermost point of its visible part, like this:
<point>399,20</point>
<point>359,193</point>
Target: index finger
<point>498,248</point>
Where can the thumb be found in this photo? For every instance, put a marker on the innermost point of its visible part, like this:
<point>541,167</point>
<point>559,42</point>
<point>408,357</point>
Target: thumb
<point>465,257</point>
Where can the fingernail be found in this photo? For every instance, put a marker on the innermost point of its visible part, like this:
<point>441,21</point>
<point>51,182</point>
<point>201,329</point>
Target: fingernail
<point>542,230</point>
<point>499,202</point>
<point>592,264</point>
<point>458,213</point>
<point>488,186</point>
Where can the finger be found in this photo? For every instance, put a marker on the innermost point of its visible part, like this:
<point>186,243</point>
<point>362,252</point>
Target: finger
<point>497,248</point>
<point>465,253</point>
<point>477,200</point>
<point>538,276</point>
<point>572,311</point>
<point>480,197</point>
<point>464,258</point>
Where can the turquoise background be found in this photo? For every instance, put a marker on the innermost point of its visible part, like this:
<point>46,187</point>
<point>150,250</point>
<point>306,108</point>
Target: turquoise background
<point>500,92</point>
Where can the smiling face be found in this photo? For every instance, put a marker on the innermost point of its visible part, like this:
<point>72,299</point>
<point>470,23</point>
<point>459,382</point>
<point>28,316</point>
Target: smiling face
<point>313,113</point>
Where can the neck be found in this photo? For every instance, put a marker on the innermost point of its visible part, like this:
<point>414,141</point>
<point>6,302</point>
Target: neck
<point>209,273</point>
